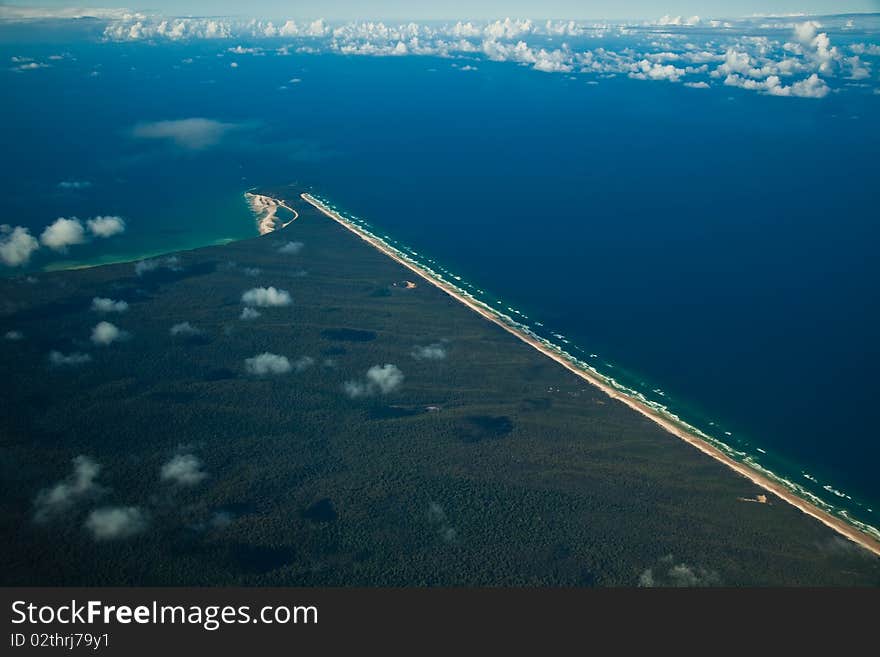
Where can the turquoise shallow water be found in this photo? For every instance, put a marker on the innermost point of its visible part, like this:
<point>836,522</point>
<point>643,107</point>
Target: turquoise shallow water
<point>713,249</point>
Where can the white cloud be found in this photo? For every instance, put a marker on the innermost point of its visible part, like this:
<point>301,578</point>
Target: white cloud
<point>13,336</point>
<point>30,66</point>
<point>142,267</point>
<point>74,358</point>
<point>105,333</point>
<point>291,248</point>
<point>679,21</point>
<point>118,522</point>
<point>183,470</point>
<point>303,363</point>
<point>438,518</point>
<point>241,50</point>
<point>380,379</point>
<point>137,27</point>
<point>74,184</point>
<point>249,313</point>
<point>16,245</point>
<point>191,134</point>
<point>508,29</point>
<point>106,226</point>
<point>552,62</point>
<point>63,233</point>
<point>859,70</point>
<point>355,389</point>
<point>806,31</point>
<point>667,573</point>
<point>755,48</point>
<point>872,49</point>
<point>646,70</point>
<point>697,85</point>
<point>185,329</point>
<point>105,305</point>
<point>434,351</point>
<point>264,297</point>
<point>81,484</point>
<point>812,87</point>
<point>267,363</point>
<point>386,378</point>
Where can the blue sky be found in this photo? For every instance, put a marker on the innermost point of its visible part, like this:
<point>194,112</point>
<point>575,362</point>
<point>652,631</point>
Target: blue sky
<point>398,9</point>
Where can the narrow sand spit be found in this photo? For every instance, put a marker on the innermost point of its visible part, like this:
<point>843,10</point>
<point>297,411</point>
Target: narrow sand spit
<point>265,209</point>
<point>670,425</point>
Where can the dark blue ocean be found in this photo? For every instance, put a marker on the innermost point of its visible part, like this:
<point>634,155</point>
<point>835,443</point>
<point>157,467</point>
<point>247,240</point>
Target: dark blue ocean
<point>716,249</point>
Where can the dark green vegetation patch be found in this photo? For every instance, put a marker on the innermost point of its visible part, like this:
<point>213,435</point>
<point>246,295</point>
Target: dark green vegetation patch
<point>348,335</point>
<point>305,444</point>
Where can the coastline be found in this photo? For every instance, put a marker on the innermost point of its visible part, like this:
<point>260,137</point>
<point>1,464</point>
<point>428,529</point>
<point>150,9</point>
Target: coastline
<point>265,208</point>
<point>125,258</point>
<point>671,425</point>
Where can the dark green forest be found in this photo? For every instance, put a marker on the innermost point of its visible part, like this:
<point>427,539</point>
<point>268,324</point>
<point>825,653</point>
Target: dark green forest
<point>477,461</point>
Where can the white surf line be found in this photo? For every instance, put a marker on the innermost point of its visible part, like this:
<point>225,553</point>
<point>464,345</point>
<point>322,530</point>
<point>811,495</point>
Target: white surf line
<point>840,526</point>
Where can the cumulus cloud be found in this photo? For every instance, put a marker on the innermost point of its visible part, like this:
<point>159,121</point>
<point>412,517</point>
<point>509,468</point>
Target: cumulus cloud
<point>74,184</point>
<point>63,233</point>
<point>29,66</point>
<point>135,27</point>
<point>79,485</point>
<point>872,49</point>
<point>678,21</point>
<point>105,305</point>
<point>171,263</point>
<point>303,363</point>
<point>265,297</point>
<point>806,31</point>
<point>183,470</point>
<point>291,248</point>
<point>13,336</point>
<point>241,50</point>
<point>249,313</point>
<point>71,359</point>
<point>386,378</point>
<point>646,70</point>
<point>105,333</point>
<point>356,389</point>
<point>812,87</point>
<point>667,573</point>
<point>434,351</point>
<point>16,245</point>
<point>267,363</point>
<point>185,329</point>
<point>191,134</point>
<point>636,49</point>
<point>106,226</point>
<point>437,517</point>
<point>380,380</point>
<point>111,523</point>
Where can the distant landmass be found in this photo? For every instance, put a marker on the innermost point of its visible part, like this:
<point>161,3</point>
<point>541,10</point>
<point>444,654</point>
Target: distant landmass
<point>300,409</point>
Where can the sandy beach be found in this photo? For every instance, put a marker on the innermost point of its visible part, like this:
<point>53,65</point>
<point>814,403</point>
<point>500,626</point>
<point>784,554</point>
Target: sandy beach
<point>265,209</point>
<point>670,425</point>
